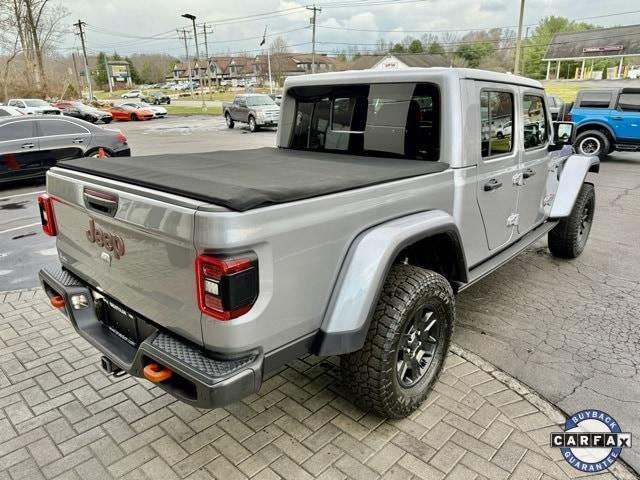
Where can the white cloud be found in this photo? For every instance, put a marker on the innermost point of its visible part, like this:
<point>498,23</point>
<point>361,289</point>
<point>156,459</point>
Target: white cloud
<point>146,18</point>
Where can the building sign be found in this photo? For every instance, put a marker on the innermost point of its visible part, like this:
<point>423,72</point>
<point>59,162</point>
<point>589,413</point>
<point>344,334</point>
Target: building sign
<point>606,48</point>
<point>389,63</point>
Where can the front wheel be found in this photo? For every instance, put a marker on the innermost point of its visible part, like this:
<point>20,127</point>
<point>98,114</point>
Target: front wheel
<point>593,142</point>
<point>228,120</point>
<point>569,237</point>
<point>406,344</point>
<point>253,126</point>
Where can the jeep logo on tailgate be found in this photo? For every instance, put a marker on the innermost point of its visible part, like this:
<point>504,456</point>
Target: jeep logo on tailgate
<point>109,241</point>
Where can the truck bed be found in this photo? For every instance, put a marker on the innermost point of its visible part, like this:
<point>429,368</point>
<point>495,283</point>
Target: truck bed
<point>248,179</point>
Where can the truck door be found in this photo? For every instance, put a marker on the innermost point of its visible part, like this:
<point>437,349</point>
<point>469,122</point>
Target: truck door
<point>535,159</point>
<point>626,117</point>
<point>242,110</point>
<point>497,195</point>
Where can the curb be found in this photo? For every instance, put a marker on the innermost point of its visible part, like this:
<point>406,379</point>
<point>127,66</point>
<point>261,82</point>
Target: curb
<point>619,470</point>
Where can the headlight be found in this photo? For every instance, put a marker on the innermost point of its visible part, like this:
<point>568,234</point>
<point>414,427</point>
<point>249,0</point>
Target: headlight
<point>260,114</point>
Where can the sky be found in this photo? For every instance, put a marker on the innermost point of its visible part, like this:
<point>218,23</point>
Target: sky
<point>146,26</point>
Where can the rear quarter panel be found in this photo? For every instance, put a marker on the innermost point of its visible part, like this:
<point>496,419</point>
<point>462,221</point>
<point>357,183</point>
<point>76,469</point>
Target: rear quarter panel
<point>301,247</point>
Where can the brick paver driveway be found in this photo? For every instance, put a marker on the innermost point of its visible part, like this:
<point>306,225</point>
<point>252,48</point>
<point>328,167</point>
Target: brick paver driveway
<point>62,417</point>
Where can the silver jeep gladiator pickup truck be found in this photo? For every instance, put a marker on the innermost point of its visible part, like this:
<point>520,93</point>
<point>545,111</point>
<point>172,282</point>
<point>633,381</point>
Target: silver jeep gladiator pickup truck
<point>388,193</point>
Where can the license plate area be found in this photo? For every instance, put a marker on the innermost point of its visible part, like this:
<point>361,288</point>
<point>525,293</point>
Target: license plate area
<point>120,321</point>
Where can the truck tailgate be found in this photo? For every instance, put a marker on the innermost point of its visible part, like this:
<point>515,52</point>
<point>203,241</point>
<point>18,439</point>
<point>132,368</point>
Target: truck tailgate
<point>139,253</point>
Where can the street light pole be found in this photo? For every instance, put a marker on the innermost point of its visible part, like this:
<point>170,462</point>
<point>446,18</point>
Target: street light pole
<point>195,35</point>
<point>516,67</point>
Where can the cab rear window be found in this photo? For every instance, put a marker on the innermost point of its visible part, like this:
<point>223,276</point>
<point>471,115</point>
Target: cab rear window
<point>387,119</point>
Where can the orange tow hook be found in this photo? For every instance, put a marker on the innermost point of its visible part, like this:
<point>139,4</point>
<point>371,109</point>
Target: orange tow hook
<point>156,373</point>
<point>57,301</point>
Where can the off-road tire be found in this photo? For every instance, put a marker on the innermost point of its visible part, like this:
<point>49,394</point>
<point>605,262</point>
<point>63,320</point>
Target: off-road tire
<point>370,373</point>
<point>593,137</point>
<point>569,237</point>
<point>229,120</point>
<point>253,126</point>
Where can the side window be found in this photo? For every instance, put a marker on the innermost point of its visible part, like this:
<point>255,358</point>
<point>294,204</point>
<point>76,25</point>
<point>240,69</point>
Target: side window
<point>595,99</point>
<point>16,131</point>
<point>57,127</point>
<point>4,113</point>
<point>496,120</point>
<point>534,121</point>
<point>629,102</point>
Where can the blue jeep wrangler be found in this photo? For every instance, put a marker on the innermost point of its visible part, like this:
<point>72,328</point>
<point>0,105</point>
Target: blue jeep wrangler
<point>606,120</point>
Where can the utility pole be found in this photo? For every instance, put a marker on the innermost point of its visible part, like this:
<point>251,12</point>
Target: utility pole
<point>186,49</point>
<point>264,40</point>
<point>195,35</point>
<point>206,52</point>
<point>516,67</point>
<point>313,36</point>
<point>75,71</point>
<point>81,24</point>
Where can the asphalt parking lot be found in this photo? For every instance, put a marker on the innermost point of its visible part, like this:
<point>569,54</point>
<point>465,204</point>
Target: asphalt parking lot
<point>568,329</point>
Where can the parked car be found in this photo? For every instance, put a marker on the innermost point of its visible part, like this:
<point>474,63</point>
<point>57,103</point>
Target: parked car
<point>33,106</point>
<point>85,112</point>
<point>29,145</point>
<point>351,237</point>
<point>158,111</point>
<point>256,109</point>
<point>156,98</point>
<point>554,104</point>
<point>132,94</point>
<point>6,111</point>
<point>124,113</point>
<point>607,120</point>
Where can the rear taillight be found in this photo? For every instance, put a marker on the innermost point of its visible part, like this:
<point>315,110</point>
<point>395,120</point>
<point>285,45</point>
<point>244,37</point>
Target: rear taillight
<point>227,286</point>
<point>47,217</point>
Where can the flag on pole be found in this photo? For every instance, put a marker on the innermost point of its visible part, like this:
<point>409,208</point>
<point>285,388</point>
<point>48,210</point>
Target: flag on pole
<point>264,37</point>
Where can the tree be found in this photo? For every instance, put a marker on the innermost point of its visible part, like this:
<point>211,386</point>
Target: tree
<point>398,48</point>
<point>435,48</point>
<point>115,57</point>
<point>100,71</point>
<point>133,71</point>
<point>474,53</point>
<point>278,49</point>
<point>416,46</point>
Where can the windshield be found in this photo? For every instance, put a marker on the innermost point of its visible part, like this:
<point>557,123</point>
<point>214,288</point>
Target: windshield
<point>36,103</point>
<point>387,119</point>
<point>259,100</point>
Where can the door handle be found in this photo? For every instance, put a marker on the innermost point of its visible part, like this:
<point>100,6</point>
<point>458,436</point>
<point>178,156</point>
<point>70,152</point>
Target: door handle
<point>617,117</point>
<point>528,173</point>
<point>28,145</point>
<point>77,140</point>
<point>492,185</point>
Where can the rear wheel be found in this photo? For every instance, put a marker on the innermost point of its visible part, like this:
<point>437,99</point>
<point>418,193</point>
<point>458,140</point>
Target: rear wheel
<point>569,237</point>
<point>96,153</point>
<point>253,126</point>
<point>406,344</point>
<point>593,142</point>
<point>229,120</point>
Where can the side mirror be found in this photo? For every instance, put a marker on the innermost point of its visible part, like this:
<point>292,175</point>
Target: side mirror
<point>564,133</point>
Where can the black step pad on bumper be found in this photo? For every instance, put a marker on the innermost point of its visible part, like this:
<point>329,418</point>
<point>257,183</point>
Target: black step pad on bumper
<point>200,378</point>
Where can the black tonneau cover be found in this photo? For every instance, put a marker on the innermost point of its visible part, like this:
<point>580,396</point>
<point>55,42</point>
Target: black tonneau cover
<point>246,179</point>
